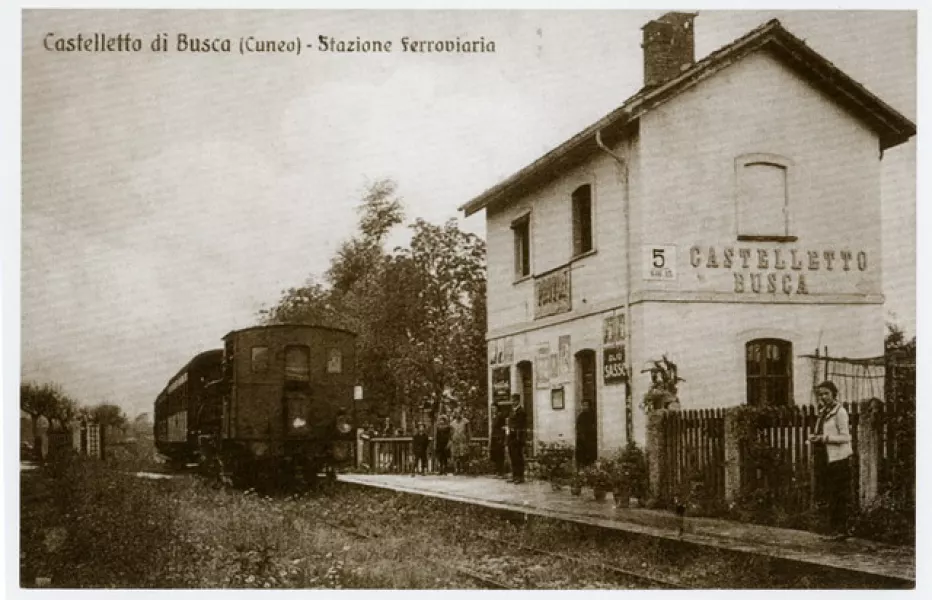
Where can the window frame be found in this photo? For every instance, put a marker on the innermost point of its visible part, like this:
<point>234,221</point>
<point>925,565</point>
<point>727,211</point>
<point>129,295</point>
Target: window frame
<point>522,254</point>
<point>763,380</point>
<point>307,354</point>
<point>789,173</point>
<point>252,359</point>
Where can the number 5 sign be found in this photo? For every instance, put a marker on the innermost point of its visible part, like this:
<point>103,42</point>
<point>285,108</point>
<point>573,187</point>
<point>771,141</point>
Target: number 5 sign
<point>660,262</point>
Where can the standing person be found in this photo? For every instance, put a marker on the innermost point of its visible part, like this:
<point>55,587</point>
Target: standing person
<point>497,440</point>
<point>517,429</point>
<point>586,448</point>
<point>459,441</point>
<point>442,443</point>
<point>420,443</point>
<point>832,447</point>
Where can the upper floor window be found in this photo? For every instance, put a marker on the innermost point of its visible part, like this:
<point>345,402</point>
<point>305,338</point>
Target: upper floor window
<point>763,197</point>
<point>260,359</point>
<point>522,236</point>
<point>582,220</point>
<point>298,363</point>
<point>769,371</point>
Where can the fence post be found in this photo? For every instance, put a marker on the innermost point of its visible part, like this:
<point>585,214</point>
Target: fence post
<point>732,457</point>
<point>655,462</point>
<point>868,451</point>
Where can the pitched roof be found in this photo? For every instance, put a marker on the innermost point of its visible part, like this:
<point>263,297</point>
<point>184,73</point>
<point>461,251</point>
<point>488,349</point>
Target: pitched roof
<point>891,126</point>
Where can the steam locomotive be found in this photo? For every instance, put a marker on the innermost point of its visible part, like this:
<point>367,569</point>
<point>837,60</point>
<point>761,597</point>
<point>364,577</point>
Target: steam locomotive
<point>276,401</point>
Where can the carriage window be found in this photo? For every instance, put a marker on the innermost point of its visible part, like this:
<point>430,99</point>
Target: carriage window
<point>298,363</point>
<point>769,372</point>
<point>260,359</point>
<point>334,361</point>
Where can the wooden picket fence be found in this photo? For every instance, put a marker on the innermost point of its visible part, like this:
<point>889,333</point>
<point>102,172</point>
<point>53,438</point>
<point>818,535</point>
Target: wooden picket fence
<point>692,448</point>
<point>692,452</point>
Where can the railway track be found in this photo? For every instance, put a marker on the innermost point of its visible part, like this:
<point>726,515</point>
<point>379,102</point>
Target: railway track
<point>493,583</point>
<point>469,573</point>
<point>595,565</point>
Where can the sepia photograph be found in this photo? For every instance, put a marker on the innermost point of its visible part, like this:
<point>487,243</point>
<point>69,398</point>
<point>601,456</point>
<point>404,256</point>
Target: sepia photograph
<point>318,299</point>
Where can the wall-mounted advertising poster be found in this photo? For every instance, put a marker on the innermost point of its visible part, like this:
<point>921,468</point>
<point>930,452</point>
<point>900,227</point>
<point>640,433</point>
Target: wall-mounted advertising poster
<point>501,384</point>
<point>614,369</point>
<point>564,361</point>
<point>542,366</point>
<point>613,330</point>
<point>552,292</point>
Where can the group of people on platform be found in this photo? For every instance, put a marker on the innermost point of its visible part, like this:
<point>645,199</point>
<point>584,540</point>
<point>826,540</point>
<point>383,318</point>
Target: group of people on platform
<point>831,444</point>
<point>451,445</point>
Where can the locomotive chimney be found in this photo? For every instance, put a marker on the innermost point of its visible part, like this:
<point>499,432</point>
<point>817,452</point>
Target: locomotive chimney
<point>669,47</point>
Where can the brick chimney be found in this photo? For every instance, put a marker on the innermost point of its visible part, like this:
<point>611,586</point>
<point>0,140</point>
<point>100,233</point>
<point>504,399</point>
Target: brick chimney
<point>669,47</point>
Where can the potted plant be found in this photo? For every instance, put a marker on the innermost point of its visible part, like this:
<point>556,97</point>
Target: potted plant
<point>599,477</point>
<point>663,387</point>
<point>576,484</point>
<point>554,459</point>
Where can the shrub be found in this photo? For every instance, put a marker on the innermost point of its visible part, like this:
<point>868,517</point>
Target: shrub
<point>889,518</point>
<point>631,472</point>
<point>555,459</point>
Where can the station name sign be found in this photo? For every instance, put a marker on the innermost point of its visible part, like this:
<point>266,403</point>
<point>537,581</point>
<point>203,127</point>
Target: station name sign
<point>777,269</point>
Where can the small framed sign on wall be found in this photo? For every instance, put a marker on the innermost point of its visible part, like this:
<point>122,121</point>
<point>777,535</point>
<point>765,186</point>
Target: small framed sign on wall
<point>556,398</point>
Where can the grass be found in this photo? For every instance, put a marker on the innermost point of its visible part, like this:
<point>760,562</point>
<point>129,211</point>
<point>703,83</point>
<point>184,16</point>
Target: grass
<point>90,524</point>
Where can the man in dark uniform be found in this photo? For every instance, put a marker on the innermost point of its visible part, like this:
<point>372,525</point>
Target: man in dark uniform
<point>497,441</point>
<point>517,429</point>
<point>586,450</point>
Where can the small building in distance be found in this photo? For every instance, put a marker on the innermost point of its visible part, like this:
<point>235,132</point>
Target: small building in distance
<point>726,216</point>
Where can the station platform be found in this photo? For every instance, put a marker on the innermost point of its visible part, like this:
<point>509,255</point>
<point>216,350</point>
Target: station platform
<point>537,498</point>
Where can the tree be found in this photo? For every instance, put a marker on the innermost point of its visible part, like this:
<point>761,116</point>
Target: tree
<point>46,400</point>
<point>438,313</point>
<point>108,415</point>
<point>419,312</point>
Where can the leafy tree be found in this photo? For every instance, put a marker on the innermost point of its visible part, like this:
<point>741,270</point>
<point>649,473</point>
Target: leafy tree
<point>419,312</point>
<point>438,313</point>
<point>46,400</point>
<point>109,415</point>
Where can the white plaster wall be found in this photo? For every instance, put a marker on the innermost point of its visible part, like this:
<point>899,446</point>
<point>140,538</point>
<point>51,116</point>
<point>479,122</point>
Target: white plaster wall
<point>553,425</point>
<point>596,279</point>
<point>707,342</point>
<point>687,188</point>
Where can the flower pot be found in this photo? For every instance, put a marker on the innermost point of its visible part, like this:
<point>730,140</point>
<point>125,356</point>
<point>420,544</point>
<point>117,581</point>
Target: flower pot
<point>599,494</point>
<point>556,485</point>
<point>576,490</point>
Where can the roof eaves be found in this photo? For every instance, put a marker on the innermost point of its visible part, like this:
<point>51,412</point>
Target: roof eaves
<point>630,110</point>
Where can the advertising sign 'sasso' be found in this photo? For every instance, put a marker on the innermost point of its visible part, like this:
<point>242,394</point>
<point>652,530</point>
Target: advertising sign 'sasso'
<point>250,44</point>
<point>791,262</point>
<point>613,365</point>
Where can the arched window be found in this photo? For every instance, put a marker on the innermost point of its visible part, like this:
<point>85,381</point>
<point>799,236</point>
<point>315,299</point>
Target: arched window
<point>763,197</point>
<point>769,372</point>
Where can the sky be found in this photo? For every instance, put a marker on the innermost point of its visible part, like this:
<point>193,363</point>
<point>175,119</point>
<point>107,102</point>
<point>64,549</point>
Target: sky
<point>167,197</point>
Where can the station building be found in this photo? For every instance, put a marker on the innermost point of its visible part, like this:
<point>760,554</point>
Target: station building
<point>727,216</point>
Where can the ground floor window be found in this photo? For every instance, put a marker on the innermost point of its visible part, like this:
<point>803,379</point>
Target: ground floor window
<point>769,372</point>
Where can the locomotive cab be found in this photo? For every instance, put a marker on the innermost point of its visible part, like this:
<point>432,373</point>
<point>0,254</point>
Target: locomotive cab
<point>288,398</point>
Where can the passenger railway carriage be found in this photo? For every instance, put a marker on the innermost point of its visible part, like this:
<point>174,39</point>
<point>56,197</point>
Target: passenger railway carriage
<point>276,401</point>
